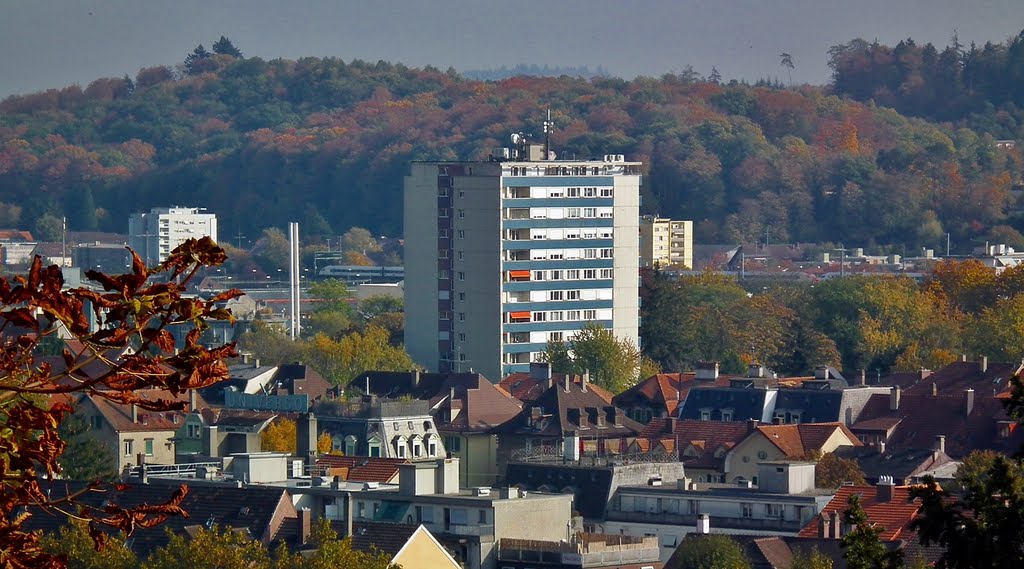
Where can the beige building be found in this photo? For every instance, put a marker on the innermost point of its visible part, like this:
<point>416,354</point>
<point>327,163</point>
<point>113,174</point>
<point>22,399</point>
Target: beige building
<point>783,442</point>
<point>666,242</point>
<point>504,256</point>
<point>423,551</point>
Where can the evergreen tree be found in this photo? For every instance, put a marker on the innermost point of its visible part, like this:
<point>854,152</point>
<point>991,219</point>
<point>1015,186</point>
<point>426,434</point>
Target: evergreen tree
<point>198,61</point>
<point>223,46</point>
<point>862,546</point>
<point>85,457</point>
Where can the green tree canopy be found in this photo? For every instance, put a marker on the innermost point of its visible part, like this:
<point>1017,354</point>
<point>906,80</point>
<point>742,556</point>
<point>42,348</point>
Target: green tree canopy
<point>611,362</point>
<point>714,551</point>
<point>223,46</point>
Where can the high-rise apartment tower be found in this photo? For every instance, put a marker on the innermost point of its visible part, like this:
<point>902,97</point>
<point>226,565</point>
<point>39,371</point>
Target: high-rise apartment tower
<point>503,255</point>
<point>155,234</point>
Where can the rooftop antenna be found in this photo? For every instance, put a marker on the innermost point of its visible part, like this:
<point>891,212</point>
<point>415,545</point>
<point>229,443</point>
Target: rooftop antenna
<point>549,126</point>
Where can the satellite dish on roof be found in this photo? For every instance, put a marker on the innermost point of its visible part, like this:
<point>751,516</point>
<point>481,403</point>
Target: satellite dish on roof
<point>516,138</point>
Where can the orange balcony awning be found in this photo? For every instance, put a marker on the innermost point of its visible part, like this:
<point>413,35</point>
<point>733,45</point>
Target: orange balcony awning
<point>519,274</point>
<point>520,315</point>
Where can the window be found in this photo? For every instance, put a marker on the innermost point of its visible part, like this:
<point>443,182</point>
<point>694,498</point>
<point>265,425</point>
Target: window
<point>606,192</point>
<point>590,212</point>
<point>482,517</point>
<point>572,192</point>
<point>556,337</point>
<point>373,445</point>
<point>705,414</point>
<point>442,275</point>
<point>589,274</point>
<point>572,274</point>
<point>148,447</point>
<point>431,447</point>
<point>607,273</point>
<point>590,315</point>
<point>442,213</point>
<point>453,444</point>
<point>462,317</point>
<point>589,192</point>
<point>350,445</point>
<point>556,275</point>
<point>129,447</point>
<point>462,296</point>
<point>606,253</point>
<point>556,295</point>
<point>794,417</point>
<point>462,213</point>
<point>555,316</point>
<point>590,253</point>
<point>443,315</point>
<point>460,256</point>
<point>572,315</point>
<point>400,448</point>
<point>417,450</point>
<point>748,509</point>
<point>462,275</point>
<point>461,234</point>
<point>775,511</point>
<point>442,192</point>
<point>442,233</point>
<point>442,254</point>
<point>572,213</point>
<point>727,416</point>
<point>538,275</point>
<point>572,295</point>
<point>540,316</point>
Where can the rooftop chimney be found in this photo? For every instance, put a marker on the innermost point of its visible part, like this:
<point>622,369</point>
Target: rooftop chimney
<point>752,425</point>
<point>824,526</point>
<point>706,371</point>
<point>884,488</point>
<point>703,524</point>
<point>821,372</point>
<point>940,443</point>
<point>923,373</point>
<point>894,398</point>
<point>935,389</point>
<point>135,413</point>
<point>968,401</point>
<point>984,364</point>
<point>415,374</point>
<point>863,377</point>
<point>585,380</point>
<point>305,524</point>
<point>881,447</point>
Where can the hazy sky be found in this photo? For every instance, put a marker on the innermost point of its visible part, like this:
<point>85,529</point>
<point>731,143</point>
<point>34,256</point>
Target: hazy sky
<point>52,43</point>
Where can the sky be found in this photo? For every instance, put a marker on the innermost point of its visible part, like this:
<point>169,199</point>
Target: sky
<point>54,43</point>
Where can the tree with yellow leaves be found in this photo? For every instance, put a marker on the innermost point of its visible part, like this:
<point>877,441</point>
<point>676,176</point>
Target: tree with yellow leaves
<point>279,436</point>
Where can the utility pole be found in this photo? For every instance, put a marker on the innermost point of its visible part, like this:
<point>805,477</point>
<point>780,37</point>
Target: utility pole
<point>239,237</point>
<point>842,262</point>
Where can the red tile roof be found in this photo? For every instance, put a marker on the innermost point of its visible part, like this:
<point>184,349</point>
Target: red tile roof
<point>527,389</point>
<point>363,469</point>
<point>665,390</point>
<point>894,516</point>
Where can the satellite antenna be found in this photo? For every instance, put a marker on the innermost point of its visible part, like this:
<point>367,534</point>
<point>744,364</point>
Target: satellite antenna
<point>516,138</point>
<point>549,126</point>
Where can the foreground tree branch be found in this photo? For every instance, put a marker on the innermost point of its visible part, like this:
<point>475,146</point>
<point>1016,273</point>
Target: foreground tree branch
<point>133,349</point>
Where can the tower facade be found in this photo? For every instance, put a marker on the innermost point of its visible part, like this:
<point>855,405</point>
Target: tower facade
<point>505,255</point>
<point>155,234</point>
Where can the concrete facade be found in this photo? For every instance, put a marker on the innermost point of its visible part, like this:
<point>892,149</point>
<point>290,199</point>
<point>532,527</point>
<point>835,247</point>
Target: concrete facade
<point>155,234</point>
<point>504,256</point>
<point>666,242</point>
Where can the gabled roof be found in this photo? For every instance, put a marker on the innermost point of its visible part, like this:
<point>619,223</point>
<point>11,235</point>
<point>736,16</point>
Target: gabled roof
<point>570,407</point>
<point>746,403</point>
<point>705,437</point>
<point>796,440</point>
<point>258,510</point>
<point>894,516</point>
<point>527,388</point>
<point>119,416</point>
<point>381,536</point>
<point>362,469</point>
<point>665,390</point>
<point>959,376</point>
<point>902,464</point>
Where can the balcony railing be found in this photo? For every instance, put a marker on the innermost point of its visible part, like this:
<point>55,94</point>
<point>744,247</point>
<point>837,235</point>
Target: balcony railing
<point>483,531</point>
<point>760,524</point>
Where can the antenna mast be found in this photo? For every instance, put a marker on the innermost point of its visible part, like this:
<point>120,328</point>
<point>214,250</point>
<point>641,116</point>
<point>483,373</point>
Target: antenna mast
<point>549,126</point>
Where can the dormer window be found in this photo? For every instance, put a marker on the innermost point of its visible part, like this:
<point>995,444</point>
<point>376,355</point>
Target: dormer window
<point>705,414</point>
<point>727,414</point>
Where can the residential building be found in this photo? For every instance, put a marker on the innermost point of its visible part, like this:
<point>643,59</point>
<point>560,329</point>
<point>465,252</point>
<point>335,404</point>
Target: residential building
<point>730,451</point>
<point>283,388</point>
<point>155,234</point>
<point>466,408</point>
<point>504,256</point>
<point>783,504</point>
<point>110,258</point>
<point>410,546</point>
<point>359,468</point>
<point>583,550</point>
<point>211,433</point>
<point>905,466</point>
<point>529,385</point>
<point>662,394</point>
<point>666,243</point>
<point>568,422</point>
<point>373,427</point>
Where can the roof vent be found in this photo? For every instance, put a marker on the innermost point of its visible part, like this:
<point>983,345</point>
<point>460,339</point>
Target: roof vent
<point>482,491</point>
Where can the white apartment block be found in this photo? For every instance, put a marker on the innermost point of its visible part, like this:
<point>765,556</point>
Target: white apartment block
<point>155,234</point>
<point>666,242</point>
<point>504,255</point>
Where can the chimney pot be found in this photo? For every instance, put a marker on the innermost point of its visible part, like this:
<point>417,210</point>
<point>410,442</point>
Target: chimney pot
<point>752,425</point>
<point>968,401</point>
<point>940,443</point>
<point>585,380</point>
<point>935,389</point>
<point>885,488</point>
<point>863,377</point>
<point>894,398</point>
<point>984,364</point>
<point>881,447</point>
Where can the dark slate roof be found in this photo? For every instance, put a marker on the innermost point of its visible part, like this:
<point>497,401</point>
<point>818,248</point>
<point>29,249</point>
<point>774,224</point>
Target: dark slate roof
<point>527,388</point>
<point>958,376</point>
<point>380,536</point>
<point>902,464</point>
<point>665,391</point>
<point>259,510</point>
<point>287,379</point>
<point>591,485</point>
<point>567,408</point>
<point>816,406</point>
<point>746,403</point>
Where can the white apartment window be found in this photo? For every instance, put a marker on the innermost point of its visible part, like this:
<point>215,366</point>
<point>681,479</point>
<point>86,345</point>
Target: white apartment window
<point>462,276</point>
<point>572,213</point>
<point>462,213</point>
<point>572,295</point>
<point>573,192</point>
<point>590,315</point>
<point>443,275</point>
<point>555,193</point>
<point>556,295</point>
<point>589,192</point>
<point>572,274</point>
<point>606,253</point>
<point>555,316</point>
<point>461,234</point>
<point>590,253</point>
<point>431,448</point>
<point>607,273</point>
<point>540,316</point>
<point>538,275</point>
<point>556,337</point>
<point>129,446</point>
<point>572,315</point>
<point>590,212</point>
<point>589,274</point>
<point>556,254</point>
<point>400,448</point>
<point>443,315</point>
<point>606,192</point>
<point>556,275</point>
<point>605,213</point>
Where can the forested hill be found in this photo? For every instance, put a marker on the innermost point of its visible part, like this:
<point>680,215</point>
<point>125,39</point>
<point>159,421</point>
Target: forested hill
<point>327,142</point>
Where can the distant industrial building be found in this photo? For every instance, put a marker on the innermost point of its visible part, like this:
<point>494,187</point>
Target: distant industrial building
<point>155,234</point>
<point>503,256</point>
<point>666,242</point>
